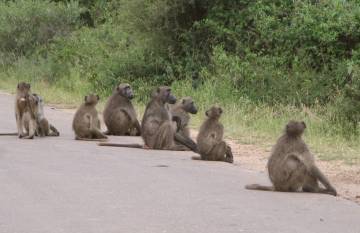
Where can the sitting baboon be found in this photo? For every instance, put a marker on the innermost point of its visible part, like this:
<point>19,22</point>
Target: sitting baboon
<point>157,128</point>
<point>211,145</point>
<point>181,115</point>
<point>25,111</point>
<point>44,128</point>
<point>86,123</point>
<point>119,113</point>
<point>292,167</point>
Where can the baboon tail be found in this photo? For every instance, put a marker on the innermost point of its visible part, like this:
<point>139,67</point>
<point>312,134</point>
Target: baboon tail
<point>259,187</point>
<point>131,145</point>
<point>8,134</point>
<point>91,139</point>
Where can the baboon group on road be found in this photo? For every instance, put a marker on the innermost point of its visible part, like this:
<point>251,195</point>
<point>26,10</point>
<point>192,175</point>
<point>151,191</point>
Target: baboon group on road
<point>164,126</point>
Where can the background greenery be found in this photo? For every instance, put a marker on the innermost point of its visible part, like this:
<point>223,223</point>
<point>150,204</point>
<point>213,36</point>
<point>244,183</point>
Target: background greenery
<point>265,61</point>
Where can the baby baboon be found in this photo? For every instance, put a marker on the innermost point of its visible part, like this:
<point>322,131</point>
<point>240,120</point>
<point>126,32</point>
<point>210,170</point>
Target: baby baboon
<point>86,123</point>
<point>210,141</point>
<point>25,111</point>
<point>157,129</point>
<point>292,167</point>
<point>180,114</point>
<point>119,114</point>
<point>44,128</point>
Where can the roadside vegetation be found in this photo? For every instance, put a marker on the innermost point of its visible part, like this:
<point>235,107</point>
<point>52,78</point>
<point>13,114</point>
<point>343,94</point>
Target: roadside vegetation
<point>265,61</point>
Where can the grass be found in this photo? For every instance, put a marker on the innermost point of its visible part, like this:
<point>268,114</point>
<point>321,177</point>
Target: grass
<point>244,121</point>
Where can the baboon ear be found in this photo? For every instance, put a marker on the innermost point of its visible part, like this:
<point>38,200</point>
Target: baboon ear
<point>207,113</point>
<point>183,101</point>
<point>220,110</point>
<point>97,96</point>
<point>85,99</point>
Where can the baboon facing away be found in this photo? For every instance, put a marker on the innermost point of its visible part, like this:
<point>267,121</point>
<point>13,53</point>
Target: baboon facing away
<point>25,111</point>
<point>44,128</point>
<point>211,145</point>
<point>292,167</point>
<point>181,115</point>
<point>157,129</point>
<point>119,113</point>
<point>86,123</point>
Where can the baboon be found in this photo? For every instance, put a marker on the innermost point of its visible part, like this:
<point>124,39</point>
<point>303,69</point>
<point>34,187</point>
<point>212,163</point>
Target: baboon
<point>119,114</point>
<point>86,123</point>
<point>25,111</point>
<point>210,141</point>
<point>44,128</point>
<point>180,114</point>
<point>292,167</point>
<point>157,130</point>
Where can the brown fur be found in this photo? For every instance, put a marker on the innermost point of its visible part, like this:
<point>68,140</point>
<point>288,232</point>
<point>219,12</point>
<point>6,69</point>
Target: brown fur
<point>44,128</point>
<point>157,129</point>
<point>25,111</point>
<point>292,167</point>
<point>181,115</point>
<point>86,123</point>
<point>210,141</point>
<point>119,114</point>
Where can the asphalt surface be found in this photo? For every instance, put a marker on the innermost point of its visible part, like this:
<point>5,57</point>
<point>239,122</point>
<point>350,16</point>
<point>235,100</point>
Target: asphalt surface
<point>57,184</point>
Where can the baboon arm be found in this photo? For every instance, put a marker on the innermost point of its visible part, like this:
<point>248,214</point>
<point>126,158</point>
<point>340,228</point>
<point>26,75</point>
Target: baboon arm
<point>315,171</point>
<point>186,142</point>
<point>131,118</point>
<point>178,122</point>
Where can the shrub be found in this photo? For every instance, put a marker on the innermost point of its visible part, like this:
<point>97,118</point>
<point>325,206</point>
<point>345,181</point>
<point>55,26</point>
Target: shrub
<point>27,24</point>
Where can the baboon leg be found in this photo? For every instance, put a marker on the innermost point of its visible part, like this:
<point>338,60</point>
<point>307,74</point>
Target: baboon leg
<point>164,137</point>
<point>135,128</point>
<point>292,175</point>
<point>229,157</point>
<point>31,129</point>
<point>318,175</point>
<point>138,128</point>
<point>218,153</point>
<point>20,126</point>
<point>96,134</point>
<point>54,132</point>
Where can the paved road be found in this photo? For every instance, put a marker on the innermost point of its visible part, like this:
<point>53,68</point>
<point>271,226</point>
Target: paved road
<point>53,185</point>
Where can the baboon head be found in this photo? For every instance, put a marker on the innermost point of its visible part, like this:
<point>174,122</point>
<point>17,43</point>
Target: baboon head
<point>295,128</point>
<point>39,99</point>
<point>214,112</point>
<point>91,99</point>
<point>23,89</point>
<point>34,103</point>
<point>164,95</point>
<point>188,105</point>
<point>125,90</point>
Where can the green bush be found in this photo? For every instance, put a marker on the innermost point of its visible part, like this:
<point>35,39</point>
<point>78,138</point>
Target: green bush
<point>27,24</point>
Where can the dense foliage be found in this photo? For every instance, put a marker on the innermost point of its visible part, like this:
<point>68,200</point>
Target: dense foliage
<point>270,51</point>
